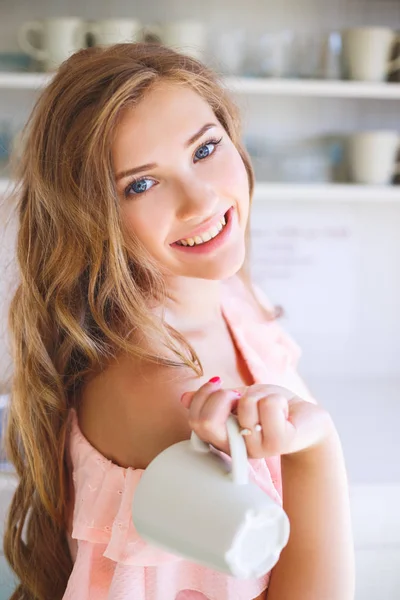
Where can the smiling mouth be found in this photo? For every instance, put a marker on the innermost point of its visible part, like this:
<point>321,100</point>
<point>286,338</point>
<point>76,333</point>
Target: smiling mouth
<point>207,236</point>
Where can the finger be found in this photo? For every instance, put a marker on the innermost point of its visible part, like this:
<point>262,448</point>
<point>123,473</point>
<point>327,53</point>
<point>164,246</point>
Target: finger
<point>271,414</point>
<point>248,417</point>
<point>262,391</point>
<point>200,395</point>
<point>211,420</point>
<point>249,412</point>
<point>277,431</point>
<point>186,399</point>
<point>310,424</point>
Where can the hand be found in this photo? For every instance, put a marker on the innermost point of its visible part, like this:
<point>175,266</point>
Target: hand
<point>289,424</point>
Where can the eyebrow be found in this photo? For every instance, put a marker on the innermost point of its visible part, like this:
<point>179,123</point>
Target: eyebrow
<point>191,140</point>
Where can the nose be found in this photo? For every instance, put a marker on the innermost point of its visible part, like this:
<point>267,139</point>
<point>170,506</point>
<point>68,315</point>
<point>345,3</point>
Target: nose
<point>195,199</point>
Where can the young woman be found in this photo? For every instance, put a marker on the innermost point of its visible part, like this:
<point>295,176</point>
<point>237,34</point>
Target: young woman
<point>135,323</point>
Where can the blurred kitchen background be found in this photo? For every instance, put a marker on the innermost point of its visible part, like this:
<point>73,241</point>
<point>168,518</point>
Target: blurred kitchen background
<point>318,82</point>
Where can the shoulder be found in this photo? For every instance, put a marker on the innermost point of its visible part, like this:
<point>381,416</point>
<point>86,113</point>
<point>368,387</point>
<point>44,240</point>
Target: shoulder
<point>131,411</point>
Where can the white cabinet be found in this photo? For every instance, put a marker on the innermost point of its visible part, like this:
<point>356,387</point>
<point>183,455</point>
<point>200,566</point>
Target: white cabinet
<point>291,89</point>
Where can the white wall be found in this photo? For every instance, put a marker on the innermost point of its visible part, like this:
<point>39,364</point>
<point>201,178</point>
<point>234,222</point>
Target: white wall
<point>350,361</point>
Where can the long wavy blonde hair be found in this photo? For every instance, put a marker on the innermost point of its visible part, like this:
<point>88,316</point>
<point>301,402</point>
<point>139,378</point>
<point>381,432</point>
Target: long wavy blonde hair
<point>84,282</point>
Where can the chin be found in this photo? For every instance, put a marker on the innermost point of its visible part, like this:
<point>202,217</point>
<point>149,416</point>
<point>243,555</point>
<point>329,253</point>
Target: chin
<point>228,271</point>
<point>219,268</point>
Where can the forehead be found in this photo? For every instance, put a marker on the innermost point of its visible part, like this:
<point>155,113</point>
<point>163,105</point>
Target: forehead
<point>169,112</point>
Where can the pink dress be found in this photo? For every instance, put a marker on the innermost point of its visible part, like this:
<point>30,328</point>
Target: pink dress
<point>111,561</point>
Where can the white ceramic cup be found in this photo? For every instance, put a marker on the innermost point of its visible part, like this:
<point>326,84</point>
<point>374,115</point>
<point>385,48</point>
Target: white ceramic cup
<point>366,53</point>
<point>372,156</point>
<point>228,50</point>
<point>186,36</point>
<point>59,38</point>
<point>190,503</point>
<point>115,31</point>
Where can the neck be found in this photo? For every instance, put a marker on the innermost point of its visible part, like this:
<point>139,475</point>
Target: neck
<point>193,304</point>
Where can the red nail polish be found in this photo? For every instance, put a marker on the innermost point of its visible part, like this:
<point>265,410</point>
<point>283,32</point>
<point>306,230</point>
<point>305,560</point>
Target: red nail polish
<point>215,380</point>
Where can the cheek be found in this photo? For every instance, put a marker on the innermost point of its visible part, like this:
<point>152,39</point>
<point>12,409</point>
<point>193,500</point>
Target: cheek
<point>234,175</point>
<point>147,224</point>
<point>238,182</point>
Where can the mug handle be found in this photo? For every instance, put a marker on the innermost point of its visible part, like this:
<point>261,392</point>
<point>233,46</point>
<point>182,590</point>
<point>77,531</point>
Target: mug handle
<point>23,39</point>
<point>91,28</point>
<point>394,65</point>
<point>397,165</point>
<point>153,30</point>
<point>81,31</point>
<point>237,445</point>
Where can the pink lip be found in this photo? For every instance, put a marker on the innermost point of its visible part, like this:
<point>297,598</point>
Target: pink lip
<point>214,244</point>
<point>206,226</point>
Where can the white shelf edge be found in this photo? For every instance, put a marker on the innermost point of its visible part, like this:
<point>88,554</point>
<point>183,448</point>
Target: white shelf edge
<point>272,192</point>
<point>252,85</point>
<point>309,87</point>
<point>325,193</point>
<point>24,80</point>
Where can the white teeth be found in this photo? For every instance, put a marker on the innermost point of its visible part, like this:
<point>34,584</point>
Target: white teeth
<point>205,237</point>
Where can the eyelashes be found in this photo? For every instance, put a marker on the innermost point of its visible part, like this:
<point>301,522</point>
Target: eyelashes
<point>129,191</point>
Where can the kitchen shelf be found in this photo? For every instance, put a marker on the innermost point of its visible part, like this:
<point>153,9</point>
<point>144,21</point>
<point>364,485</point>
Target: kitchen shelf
<point>307,192</point>
<point>23,81</point>
<point>253,85</point>
<point>312,87</point>
<point>326,192</point>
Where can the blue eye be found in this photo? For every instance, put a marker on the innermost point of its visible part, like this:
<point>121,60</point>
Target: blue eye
<point>206,149</point>
<point>138,187</point>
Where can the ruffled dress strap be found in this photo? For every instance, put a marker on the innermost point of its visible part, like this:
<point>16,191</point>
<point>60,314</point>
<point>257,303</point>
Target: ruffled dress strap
<point>103,499</point>
<point>112,561</point>
<point>271,353</point>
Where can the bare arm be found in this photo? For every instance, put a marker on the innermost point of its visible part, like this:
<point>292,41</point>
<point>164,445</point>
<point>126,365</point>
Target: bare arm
<point>318,561</point>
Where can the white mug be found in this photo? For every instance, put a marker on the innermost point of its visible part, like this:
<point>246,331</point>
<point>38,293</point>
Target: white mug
<point>189,502</point>
<point>186,36</point>
<point>59,39</point>
<point>372,156</point>
<point>366,53</point>
<point>228,49</point>
<point>115,31</point>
